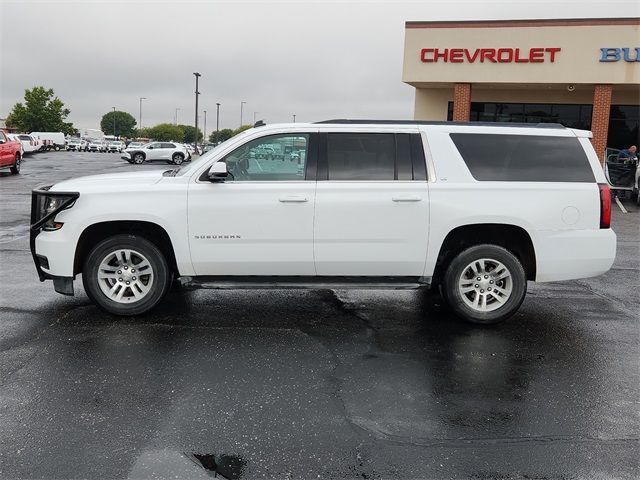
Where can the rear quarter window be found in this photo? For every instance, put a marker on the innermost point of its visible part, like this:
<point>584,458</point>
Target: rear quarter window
<point>523,158</point>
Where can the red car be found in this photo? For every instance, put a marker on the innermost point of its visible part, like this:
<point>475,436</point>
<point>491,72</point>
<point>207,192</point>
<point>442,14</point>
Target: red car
<point>10,153</point>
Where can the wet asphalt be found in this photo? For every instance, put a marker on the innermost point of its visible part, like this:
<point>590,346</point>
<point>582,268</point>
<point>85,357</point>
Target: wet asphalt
<point>312,384</point>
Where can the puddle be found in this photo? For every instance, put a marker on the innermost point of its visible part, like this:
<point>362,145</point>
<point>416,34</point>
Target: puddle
<point>229,467</point>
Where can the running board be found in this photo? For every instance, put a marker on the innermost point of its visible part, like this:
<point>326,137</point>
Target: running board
<point>314,283</point>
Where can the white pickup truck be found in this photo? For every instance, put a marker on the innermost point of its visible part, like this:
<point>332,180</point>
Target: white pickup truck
<point>476,210</point>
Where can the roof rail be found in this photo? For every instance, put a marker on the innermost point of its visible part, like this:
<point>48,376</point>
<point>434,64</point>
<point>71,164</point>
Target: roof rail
<point>259,123</point>
<point>344,121</point>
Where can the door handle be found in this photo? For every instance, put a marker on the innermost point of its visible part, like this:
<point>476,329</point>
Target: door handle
<point>406,198</point>
<point>293,199</point>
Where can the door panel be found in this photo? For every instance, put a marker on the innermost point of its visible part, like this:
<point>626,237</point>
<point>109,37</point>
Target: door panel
<point>371,228</point>
<point>252,228</point>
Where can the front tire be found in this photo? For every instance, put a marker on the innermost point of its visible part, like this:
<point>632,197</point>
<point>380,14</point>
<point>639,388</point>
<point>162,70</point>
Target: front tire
<point>16,166</point>
<point>126,275</point>
<point>485,284</point>
<point>138,158</point>
<point>177,158</point>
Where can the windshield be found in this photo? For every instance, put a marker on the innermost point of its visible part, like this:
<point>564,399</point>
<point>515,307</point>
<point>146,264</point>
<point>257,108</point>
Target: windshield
<point>195,163</point>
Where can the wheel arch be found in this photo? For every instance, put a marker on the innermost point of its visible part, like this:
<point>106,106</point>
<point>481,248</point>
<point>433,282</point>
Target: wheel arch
<point>97,232</point>
<point>512,237</point>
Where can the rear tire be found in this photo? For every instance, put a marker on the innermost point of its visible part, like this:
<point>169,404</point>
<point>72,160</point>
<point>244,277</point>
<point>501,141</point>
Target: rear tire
<point>121,259</point>
<point>16,166</point>
<point>497,294</point>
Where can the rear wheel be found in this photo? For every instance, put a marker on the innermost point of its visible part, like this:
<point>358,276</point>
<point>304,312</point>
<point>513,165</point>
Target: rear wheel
<point>16,166</point>
<point>485,284</point>
<point>126,275</point>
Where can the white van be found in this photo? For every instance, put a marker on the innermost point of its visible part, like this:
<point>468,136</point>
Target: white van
<point>50,140</point>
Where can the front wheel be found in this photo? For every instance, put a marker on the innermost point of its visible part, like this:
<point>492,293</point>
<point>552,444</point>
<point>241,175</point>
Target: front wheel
<point>16,166</point>
<point>485,284</point>
<point>126,275</point>
<point>177,158</point>
<point>138,158</point>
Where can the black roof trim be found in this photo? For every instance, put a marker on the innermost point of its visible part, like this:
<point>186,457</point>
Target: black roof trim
<point>344,121</point>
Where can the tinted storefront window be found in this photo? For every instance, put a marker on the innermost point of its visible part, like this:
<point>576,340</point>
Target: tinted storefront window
<point>624,121</point>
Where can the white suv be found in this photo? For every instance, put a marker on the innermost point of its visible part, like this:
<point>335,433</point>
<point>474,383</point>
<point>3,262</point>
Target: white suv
<point>473,209</point>
<point>169,152</point>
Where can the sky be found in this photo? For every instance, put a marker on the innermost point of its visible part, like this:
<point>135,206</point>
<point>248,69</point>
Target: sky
<point>313,59</point>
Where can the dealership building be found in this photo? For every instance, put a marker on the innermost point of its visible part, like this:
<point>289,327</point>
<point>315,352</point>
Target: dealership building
<point>582,73</point>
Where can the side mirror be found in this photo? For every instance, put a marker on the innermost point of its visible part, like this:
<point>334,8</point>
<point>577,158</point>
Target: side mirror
<point>218,172</point>
<point>150,147</point>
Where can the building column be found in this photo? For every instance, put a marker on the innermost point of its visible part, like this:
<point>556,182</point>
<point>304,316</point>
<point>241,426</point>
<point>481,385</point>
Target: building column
<point>461,102</point>
<point>600,118</point>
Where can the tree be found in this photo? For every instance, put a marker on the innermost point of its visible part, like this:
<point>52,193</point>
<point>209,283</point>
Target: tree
<point>242,129</point>
<point>165,132</point>
<point>125,124</point>
<point>189,134</point>
<point>41,112</point>
<point>221,135</point>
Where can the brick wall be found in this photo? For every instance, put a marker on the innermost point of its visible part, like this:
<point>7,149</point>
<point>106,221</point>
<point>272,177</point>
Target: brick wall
<point>600,118</point>
<point>461,102</point>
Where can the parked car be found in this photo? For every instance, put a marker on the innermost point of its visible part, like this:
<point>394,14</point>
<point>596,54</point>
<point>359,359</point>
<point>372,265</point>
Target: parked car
<point>50,140</point>
<point>134,144</point>
<point>14,138</point>
<point>157,151</point>
<point>95,146</point>
<point>29,144</point>
<point>115,146</point>
<point>471,210</point>
<point>10,153</point>
<point>75,144</point>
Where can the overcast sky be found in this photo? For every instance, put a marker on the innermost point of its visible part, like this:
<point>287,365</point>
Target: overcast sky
<point>315,59</point>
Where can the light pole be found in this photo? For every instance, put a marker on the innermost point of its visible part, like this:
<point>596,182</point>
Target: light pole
<point>176,116</point>
<point>204,135</point>
<point>140,118</point>
<point>114,122</point>
<point>241,105</point>
<point>294,118</point>
<point>254,117</point>
<point>197,75</point>
<point>217,117</point>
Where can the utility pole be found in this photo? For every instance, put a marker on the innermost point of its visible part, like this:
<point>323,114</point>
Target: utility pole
<point>176,116</point>
<point>254,117</point>
<point>204,136</point>
<point>294,118</point>
<point>217,117</point>
<point>197,93</point>
<point>140,119</point>
<point>241,105</point>
<point>114,122</point>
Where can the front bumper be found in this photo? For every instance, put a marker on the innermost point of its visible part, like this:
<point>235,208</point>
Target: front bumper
<point>62,285</point>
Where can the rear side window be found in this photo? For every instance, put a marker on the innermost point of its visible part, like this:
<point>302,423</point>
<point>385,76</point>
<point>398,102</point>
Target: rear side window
<point>373,157</point>
<point>523,158</point>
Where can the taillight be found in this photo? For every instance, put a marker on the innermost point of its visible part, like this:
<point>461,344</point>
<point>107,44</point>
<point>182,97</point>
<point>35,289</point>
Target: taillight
<point>605,205</point>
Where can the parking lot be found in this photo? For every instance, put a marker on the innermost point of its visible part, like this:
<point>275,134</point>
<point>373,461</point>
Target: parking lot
<point>312,384</point>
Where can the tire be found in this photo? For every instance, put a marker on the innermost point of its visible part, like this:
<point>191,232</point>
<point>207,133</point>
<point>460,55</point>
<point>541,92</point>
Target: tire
<point>138,158</point>
<point>177,158</point>
<point>108,259</point>
<point>470,298</point>
<point>56,148</point>
<point>16,166</point>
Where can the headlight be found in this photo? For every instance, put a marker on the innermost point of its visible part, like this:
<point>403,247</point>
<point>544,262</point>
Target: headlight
<point>45,205</point>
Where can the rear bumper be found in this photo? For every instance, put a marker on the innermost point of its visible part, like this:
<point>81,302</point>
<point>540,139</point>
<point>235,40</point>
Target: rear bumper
<point>574,254</point>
